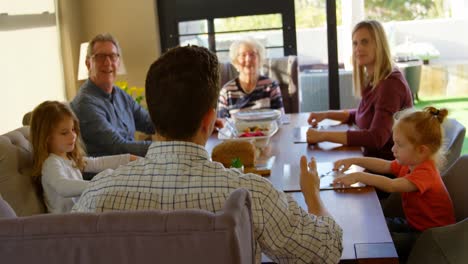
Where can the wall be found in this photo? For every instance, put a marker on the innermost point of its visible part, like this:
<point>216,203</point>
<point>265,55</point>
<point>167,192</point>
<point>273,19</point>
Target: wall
<point>69,20</point>
<point>30,61</point>
<point>134,25</point>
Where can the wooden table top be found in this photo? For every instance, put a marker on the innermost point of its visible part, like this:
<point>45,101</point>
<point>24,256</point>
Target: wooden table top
<point>357,211</point>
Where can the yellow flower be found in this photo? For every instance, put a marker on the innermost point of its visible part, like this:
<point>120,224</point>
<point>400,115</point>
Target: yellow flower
<point>137,93</point>
<point>122,84</point>
<point>140,91</point>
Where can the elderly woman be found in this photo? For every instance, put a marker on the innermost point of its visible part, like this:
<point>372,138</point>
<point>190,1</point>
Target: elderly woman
<point>250,90</point>
<point>383,91</point>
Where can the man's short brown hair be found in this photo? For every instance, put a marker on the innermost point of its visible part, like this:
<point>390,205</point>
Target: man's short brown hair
<point>181,87</point>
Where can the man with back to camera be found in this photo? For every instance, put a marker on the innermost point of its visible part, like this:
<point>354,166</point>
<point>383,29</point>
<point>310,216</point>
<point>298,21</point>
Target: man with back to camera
<point>109,116</point>
<point>177,173</point>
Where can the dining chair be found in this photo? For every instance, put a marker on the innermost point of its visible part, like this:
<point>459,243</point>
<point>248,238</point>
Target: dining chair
<point>453,140</point>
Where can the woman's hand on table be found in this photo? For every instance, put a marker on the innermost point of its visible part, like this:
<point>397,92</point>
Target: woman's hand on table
<point>316,117</point>
<point>314,135</point>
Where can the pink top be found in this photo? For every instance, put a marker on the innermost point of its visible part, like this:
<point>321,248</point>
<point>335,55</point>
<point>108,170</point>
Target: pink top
<point>429,206</point>
<point>374,115</point>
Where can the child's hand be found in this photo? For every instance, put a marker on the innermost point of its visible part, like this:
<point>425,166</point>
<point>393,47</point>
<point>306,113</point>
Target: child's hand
<point>347,179</point>
<point>342,165</point>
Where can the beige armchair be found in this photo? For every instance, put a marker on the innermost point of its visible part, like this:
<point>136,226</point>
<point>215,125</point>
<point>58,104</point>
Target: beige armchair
<point>16,184</point>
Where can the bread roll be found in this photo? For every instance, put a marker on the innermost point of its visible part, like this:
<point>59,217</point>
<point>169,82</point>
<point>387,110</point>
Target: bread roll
<point>229,150</point>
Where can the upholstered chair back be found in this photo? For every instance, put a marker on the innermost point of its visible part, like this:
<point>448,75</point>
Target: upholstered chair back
<point>180,236</point>
<point>453,140</point>
<point>16,185</point>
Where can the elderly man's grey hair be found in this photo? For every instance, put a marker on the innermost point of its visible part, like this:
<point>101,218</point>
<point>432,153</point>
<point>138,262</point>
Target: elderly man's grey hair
<point>102,38</point>
<point>257,46</point>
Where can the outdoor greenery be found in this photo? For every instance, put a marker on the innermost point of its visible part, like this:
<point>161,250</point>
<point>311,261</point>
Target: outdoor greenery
<point>248,22</point>
<point>312,14</point>
<point>457,110</point>
<point>385,10</point>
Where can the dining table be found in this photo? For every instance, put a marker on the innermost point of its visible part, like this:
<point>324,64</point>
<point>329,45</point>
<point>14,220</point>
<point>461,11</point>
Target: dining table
<point>366,238</point>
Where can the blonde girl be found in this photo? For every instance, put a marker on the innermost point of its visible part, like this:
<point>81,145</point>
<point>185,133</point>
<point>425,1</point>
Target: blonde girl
<point>59,157</point>
<point>418,137</point>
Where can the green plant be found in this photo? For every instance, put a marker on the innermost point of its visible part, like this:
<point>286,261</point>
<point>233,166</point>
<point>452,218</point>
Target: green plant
<point>137,93</point>
<point>236,163</point>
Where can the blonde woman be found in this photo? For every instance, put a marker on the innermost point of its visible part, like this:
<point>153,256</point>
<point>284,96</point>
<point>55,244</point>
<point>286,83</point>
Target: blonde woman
<point>250,90</point>
<point>383,91</point>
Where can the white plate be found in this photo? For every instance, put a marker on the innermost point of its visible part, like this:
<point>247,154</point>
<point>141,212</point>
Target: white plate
<point>257,115</point>
<point>261,141</point>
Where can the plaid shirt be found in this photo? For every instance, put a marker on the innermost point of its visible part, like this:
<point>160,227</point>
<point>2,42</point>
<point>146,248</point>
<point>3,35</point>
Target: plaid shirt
<point>180,175</point>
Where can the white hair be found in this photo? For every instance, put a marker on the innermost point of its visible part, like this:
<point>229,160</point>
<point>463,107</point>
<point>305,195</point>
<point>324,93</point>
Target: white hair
<point>257,46</point>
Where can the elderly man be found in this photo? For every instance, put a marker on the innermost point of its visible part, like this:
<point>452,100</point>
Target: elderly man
<point>177,173</point>
<point>108,116</point>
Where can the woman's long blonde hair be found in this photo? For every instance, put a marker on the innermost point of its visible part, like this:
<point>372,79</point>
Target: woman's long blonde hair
<point>45,118</point>
<point>424,127</point>
<point>383,61</point>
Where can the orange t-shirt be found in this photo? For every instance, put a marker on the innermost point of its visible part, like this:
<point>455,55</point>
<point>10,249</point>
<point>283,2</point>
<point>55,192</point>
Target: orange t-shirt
<point>429,206</point>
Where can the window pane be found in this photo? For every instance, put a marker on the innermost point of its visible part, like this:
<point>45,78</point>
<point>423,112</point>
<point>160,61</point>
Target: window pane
<point>193,27</point>
<point>17,7</point>
<point>269,38</point>
<point>248,23</point>
<point>199,40</point>
<point>223,56</point>
<point>230,29</point>
<point>30,76</point>
<point>312,13</point>
<point>275,53</point>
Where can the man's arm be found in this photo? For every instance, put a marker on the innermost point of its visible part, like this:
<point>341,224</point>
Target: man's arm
<point>99,134</point>
<point>290,234</point>
<point>310,187</point>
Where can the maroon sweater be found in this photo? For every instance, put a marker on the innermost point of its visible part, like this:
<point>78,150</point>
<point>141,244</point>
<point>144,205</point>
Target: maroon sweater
<point>374,115</point>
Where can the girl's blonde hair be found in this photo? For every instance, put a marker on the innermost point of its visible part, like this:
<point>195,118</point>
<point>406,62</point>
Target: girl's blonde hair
<point>383,60</point>
<point>424,128</point>
<point>45,118</point>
